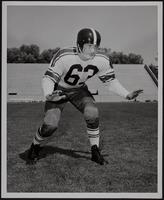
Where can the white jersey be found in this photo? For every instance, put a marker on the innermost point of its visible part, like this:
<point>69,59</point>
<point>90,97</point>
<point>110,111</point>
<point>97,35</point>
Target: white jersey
<point>69,71</point>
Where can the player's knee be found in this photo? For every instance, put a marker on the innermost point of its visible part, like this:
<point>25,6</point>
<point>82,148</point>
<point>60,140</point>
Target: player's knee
<point>91,115</point>
<point>47,130</point>
<point>52,118</point>
<point>91,112</point>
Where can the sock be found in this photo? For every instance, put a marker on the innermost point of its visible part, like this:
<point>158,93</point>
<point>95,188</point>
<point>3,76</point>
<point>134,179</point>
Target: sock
<point>94,136</point>
<point>38,139</point>
<point>43,135</point>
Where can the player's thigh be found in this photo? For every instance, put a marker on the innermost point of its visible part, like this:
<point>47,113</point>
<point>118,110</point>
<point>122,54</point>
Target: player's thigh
<point>85,103</point>
<point>53,113</point>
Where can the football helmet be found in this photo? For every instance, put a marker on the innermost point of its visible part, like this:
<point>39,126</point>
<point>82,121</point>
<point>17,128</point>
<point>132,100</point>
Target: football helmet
<point>89,36</point>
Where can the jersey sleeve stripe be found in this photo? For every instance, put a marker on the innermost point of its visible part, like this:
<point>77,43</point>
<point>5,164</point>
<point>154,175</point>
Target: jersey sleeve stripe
<point>54,57</point>
<point>110,80</point>
<point>107,74</point>
<point>50,70</point>
<point>54,76</point>
<point>107,78</point>
<point>50,78</point>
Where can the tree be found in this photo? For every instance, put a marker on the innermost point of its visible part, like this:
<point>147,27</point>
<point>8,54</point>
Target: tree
<point>121,58</point>
<point>47,55</point>
<point>135,59</point>
<point>29,53</point>
<point>35,51</point>
<point>114,57</point>
<point>25,48</point>
<point>13,55</point>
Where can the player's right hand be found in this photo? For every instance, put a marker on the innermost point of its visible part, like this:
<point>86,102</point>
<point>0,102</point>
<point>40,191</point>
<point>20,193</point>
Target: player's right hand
<point>56,95</point>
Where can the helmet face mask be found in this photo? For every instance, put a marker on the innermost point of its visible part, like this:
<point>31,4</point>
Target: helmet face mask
<point>89,50</point>
<point>88,40</point>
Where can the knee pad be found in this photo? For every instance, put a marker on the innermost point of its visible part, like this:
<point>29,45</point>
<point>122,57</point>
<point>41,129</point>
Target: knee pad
<point>51,121</point>
<point>52,117</point>
<point>47,130</point>
<point>91,116</point>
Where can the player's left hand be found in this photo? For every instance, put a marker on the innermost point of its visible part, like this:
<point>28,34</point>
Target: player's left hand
<point>134,94</point>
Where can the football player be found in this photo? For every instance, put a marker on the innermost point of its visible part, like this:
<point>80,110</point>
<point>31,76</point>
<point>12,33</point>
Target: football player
<point>65,80</point>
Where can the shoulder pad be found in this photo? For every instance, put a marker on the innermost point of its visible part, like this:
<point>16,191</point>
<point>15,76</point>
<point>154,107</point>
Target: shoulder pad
<point>102,54</point>
<point>106,56</point>
<point>63,52</point>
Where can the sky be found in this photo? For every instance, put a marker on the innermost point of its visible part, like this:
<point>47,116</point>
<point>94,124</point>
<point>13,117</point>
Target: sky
<point>122,28</point>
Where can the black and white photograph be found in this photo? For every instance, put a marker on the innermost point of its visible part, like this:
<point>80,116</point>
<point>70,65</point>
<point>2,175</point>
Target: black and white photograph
<point>81,99</point>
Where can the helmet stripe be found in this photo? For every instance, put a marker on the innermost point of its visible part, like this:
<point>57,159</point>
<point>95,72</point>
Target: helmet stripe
<point>94,36</point>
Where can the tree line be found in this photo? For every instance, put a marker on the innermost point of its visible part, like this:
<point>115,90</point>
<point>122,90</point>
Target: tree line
<point>31,54</point>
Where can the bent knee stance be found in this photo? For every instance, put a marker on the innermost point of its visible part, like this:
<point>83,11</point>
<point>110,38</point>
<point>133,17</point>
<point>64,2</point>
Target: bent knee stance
<point>47,130</point>
<point>51,121</point>
<point>91,116</point>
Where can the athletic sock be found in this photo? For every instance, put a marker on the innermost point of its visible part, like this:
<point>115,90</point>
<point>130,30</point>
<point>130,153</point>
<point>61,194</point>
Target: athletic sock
<point>38,139</point>
<point>94,136</point>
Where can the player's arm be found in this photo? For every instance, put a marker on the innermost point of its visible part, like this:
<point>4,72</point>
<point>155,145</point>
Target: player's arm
<point>48,89</point>
<point>51,79</point>
<point>116,87</point>
<point>107,76</point>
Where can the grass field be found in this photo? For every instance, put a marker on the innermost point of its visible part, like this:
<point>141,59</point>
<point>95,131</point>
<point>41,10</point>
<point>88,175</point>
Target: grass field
<point>128,142</point>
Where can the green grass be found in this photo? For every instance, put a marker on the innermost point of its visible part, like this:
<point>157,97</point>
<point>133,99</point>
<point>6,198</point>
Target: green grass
<point>128,142</point>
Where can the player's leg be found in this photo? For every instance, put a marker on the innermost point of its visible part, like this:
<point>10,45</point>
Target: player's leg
<point>50,122</point>
<point>84,101</point>
<point>91,116</point>
<point>46,130</point>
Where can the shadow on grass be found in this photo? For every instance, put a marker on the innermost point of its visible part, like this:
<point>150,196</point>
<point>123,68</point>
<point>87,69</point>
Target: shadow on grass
<point>48,150</point>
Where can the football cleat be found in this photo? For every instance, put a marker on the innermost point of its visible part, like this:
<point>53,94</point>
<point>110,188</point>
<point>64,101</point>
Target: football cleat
<point>96,156</point>
<point>33,154</point>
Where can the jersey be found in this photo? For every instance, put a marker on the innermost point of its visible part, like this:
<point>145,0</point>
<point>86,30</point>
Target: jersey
<point>68,70</point>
